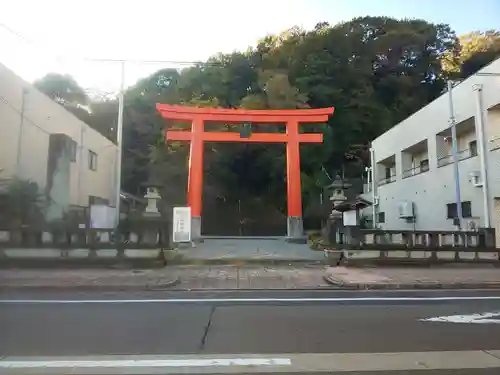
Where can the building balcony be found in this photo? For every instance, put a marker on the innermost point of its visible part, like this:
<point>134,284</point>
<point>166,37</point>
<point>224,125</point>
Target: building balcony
<point>416,170</point>
<point>415,159</point>
<point>466,143</point>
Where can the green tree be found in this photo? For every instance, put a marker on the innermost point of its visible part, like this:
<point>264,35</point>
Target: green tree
<point>21,203</point>
<point>475,50</point>
<point>62,89</point>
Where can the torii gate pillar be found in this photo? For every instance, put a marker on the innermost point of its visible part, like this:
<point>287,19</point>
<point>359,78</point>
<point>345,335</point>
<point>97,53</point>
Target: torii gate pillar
<point>198,136</point>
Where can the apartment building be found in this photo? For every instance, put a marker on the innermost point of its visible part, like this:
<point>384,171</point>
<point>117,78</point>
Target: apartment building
<point>414,185</point>
<point>43,142</point>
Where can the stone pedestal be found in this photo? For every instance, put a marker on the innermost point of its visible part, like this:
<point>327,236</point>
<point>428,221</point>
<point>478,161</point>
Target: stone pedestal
<point>295,230</point>
<point>195,228</point>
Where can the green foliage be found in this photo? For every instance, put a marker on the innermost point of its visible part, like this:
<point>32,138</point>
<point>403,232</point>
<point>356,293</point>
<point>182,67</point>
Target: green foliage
<point>21,203</point>
<point>62,88</point>
<point>473,51</point>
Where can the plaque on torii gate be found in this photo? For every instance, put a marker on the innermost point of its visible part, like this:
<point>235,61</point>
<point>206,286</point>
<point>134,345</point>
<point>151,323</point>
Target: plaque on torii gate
<point>198,136</point>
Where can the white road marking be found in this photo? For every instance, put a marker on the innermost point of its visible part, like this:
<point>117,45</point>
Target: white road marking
<point>255,363</point>
<point>480,318</point>
<point>250,300</point>
<point>147,363</point>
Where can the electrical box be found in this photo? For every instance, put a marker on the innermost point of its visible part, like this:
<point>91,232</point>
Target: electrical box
<point>405,209</point>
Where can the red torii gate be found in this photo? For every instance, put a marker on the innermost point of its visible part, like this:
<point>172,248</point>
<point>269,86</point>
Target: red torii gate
<point>197,136</point>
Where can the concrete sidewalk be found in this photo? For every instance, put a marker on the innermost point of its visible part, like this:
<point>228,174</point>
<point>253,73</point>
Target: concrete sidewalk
<point>465,277</point>
<point>172,278</point>
<point>252,277</point>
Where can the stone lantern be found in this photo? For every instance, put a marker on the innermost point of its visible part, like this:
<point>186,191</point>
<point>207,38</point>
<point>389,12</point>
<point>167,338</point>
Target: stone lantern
<point>335,224</point>
<point>338,195</point>
<point>152,195</point>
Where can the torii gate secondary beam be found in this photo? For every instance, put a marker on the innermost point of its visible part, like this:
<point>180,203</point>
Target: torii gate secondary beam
<point>179,135</point>
<point>197,136</point>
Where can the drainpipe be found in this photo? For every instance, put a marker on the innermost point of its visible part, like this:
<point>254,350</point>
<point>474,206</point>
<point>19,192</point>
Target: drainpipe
<point>483,149</point>
<point>454,148</point>
<point>373,170</point>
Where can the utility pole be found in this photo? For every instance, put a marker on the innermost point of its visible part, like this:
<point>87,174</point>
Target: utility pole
<point>119,144</point>
<point>454,147</point>
<point>24,91</point>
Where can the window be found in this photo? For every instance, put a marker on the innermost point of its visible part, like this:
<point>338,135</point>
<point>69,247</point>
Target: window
<point>452,213</point>
<point>72,150</point>
<point>92,161</point>
<point>381,217</point>
<point>387,172</point>
<point>473,148</point>
<point>466,209</point>
<point>424,165</point>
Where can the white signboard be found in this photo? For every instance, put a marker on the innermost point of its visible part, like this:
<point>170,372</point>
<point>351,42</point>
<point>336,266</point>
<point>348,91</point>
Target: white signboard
<point>182,224</point>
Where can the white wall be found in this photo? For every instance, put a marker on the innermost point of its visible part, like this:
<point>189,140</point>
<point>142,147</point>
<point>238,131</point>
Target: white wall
<point>42,117</point>
<point>432,190</point>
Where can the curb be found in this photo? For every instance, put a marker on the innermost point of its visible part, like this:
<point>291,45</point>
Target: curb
<point>243,262</point>
<point>339,284</point>
<point>94,287</point>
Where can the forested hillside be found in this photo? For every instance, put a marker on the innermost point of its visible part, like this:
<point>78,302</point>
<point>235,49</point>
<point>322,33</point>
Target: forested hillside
<point>375,71</point>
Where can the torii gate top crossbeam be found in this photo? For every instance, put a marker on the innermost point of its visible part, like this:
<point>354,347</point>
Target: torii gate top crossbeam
<point>273,116</point>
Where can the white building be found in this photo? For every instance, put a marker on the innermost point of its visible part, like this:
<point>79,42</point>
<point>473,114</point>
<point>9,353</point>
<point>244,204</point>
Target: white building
<point>414,185</point>
<point>28,119</point>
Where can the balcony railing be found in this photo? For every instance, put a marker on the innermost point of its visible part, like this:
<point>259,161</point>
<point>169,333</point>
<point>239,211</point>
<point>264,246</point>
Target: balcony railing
<point>416,170</point>
<point>461,155</point>
<point>494,144</point>
<point>387,180</point>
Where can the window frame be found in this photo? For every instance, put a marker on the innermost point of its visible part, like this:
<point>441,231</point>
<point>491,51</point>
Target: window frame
<point>73,150</point>
<point>466,210</point>
<point>473,148</point>
<point>92,160</point>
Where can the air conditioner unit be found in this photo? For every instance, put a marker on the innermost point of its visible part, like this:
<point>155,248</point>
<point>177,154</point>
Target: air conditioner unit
<point>405,209</point>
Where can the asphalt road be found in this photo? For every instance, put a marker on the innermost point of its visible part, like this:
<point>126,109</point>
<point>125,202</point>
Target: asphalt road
<point>244,323</point>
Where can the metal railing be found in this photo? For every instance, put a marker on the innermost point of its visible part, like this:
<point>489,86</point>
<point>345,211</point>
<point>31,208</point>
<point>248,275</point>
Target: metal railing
<point>461,155</point>
<point>387,180</point>
<point>416,170</point>
<point>494,144</point>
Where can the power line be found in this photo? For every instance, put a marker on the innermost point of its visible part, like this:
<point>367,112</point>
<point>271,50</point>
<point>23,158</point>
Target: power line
<point>137,61</point>
<point>24,116</point>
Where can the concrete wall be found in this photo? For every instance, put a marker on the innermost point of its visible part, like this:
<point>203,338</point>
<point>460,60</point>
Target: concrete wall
<point>431,191</point>
<point>43,117</point>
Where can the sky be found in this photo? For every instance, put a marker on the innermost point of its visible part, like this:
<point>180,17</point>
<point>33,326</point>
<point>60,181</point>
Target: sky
<point>37,37</point>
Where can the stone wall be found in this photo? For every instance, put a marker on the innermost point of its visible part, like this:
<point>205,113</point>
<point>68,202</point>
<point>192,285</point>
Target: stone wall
<point>84,245</point>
